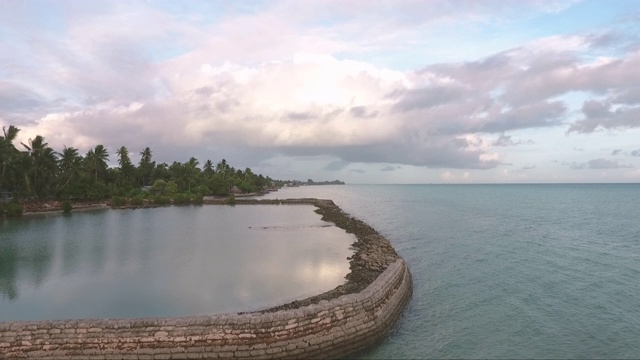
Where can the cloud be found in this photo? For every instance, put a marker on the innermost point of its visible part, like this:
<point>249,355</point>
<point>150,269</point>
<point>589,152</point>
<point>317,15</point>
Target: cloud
<point>336,165</point>
<point>635,153</point>
<point>522,170</point>
<point>16,98</point>
<point>506,140</point>
<point>449,176</point>
<point>390,168</point>
<point>170,77</point>
<point>616,152</point>
<point>524,84</point>
<point>427,97</point>
<point>361,112</point>
<point>598,164</point>
<point>343,114</point>
<point>599,114</point>
<point>606,164</point>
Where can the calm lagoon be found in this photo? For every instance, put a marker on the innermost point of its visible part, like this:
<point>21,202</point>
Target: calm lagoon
<point>170,261</point>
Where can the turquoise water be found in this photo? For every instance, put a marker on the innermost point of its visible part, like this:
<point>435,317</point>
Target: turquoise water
<point>166,261</point>
<point>508,271</point>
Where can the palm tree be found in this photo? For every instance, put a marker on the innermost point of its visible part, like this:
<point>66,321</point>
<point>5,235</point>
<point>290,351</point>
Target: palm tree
<point>97,160</point>
<point>123,158</point>
<point>146,156</point>
<point>126,167</point>
<point>207,168</point>
<point>222,168</point>
<point>69,166</point>
<point>248,174</point>
<point>101,158</point>
<point>191,171</point>
<point>43,165</point>
<point>8,151</point>
<point>146,166</point>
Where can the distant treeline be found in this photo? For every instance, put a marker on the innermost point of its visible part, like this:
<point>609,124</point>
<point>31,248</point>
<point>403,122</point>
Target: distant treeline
<point>36,171</point>
<point>334,182</point>
<point>280,183</point>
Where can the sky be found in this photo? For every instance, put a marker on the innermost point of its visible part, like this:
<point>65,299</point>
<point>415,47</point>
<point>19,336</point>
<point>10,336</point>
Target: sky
<point>406,91</point>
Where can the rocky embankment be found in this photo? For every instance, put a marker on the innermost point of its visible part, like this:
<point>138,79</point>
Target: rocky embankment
<point>328,325</point>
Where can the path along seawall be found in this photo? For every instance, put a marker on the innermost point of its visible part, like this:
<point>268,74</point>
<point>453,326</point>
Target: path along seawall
<point>333,324</point>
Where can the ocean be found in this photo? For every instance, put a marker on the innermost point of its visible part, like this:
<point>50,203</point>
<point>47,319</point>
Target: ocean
<point>507,271</point>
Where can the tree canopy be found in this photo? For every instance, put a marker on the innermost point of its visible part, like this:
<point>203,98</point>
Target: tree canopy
<point>36,171</point>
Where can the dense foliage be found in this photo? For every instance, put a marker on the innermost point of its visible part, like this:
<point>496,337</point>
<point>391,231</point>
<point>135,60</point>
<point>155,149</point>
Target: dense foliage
<point>35,171</point>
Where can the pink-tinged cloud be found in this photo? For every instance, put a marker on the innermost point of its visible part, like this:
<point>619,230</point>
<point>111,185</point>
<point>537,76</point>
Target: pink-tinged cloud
<point>290,78</point>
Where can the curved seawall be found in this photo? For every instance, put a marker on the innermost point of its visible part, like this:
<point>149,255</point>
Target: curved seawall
<point>341,321</point>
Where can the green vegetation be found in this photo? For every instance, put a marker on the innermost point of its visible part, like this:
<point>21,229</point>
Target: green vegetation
<point>14,210</point>
<point>231,200</point>
<point>137,200</point>
<point>66,207</point>
<point>160,200</point>
<point>334,182</point>
<point>182,199</point>
<point>118,201</point>
<point>34,171</point>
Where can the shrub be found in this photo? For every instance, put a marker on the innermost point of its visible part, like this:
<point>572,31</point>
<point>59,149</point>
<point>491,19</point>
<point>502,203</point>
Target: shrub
<point>137,200</point>
<point>160,200</point>
<point>14,210</point>
<point>201,190</point>
<point>66,206</point>
<point>118,201</point>
<point>181,199</point>
<point>231,200</point>
<point>159,186</point>
<point>2,210</point>
<point>134,192</point>
<point>172,187</point>
<point>197,199</point>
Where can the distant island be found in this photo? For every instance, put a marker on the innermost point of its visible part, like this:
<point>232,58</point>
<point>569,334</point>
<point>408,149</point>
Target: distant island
<point>293,183</point>
<point>334,182</point>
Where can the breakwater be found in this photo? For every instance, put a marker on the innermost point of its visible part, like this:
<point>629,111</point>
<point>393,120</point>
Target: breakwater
<point>332,324</point>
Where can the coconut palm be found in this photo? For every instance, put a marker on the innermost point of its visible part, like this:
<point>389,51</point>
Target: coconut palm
<point>126,167</point>
<point>222,168</point>
<point>96,160</point>
<point>123,158</point>
<point>41,168</point>
<point>248,174</point>
<point>69,167</point>
<point>191,170</point>
<point>8,152</point>
<point>146,156</point>
<point>146,166</point>
<point>207,168</point>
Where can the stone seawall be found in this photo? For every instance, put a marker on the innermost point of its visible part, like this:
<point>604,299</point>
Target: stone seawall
<point>339,322</point>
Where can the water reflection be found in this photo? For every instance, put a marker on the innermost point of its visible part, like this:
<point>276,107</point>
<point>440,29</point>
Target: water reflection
<point>167,261</point>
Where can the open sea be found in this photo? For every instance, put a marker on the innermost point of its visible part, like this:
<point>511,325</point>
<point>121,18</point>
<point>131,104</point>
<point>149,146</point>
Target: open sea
<point>508,271</point>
